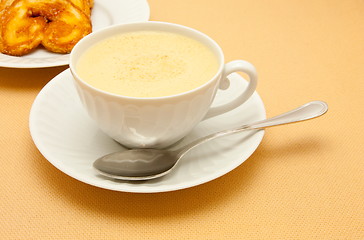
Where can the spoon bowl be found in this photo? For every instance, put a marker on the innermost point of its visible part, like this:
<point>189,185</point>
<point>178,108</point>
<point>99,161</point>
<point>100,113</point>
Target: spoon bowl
<point>136,164</point>
<point>145,164</point>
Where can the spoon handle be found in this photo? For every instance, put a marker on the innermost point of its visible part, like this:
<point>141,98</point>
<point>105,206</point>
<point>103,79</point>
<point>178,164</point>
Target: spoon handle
<point>305,112</point>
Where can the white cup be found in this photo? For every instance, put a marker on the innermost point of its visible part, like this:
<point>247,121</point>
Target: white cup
<point>157,122</point>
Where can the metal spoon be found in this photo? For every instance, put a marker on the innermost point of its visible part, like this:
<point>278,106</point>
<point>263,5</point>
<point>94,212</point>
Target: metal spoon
<point>144,164</point>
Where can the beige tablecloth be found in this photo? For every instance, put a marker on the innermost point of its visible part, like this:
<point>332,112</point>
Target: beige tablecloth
<point>304,181</point>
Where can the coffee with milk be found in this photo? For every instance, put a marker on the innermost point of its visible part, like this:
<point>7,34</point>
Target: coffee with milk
<point>147,64</point>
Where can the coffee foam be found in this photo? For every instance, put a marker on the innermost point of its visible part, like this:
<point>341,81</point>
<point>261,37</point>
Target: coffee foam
<point>147,64</point>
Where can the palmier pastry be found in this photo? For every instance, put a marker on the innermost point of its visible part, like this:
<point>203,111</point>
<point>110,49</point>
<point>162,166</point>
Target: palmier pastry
<point>56,24</point>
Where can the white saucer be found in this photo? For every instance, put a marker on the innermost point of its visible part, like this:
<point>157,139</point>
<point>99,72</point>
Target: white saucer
<point>104,13</point>
<point>71,141</point>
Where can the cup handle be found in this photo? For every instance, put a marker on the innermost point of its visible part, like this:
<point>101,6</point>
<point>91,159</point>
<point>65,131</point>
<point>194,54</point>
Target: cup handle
<point>230,67</point>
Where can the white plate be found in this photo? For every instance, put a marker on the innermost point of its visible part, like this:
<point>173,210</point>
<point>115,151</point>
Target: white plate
<point>71,141</point>
<point>104,13</point>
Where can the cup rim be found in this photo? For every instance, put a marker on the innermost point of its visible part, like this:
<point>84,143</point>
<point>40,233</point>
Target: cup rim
<point>89,37</point>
